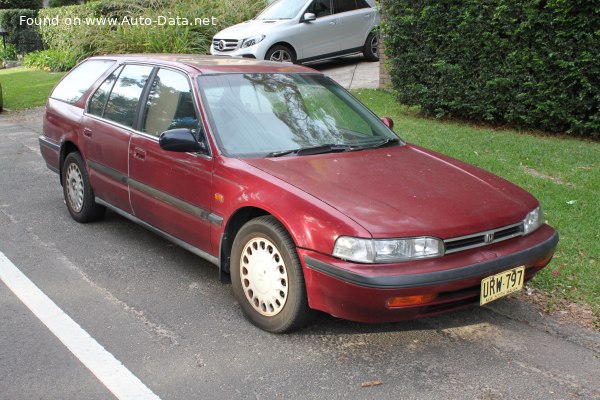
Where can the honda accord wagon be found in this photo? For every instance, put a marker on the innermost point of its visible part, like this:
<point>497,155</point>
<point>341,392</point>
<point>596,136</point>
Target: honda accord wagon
<point>296,191</point>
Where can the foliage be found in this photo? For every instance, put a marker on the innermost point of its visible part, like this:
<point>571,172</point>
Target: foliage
<point>53,59</point>
<point>8,53</point>
<point>62,3</point>
<point>24,37</point>
<point>98,36</point>
<point>29,4</point>
<point>528,63</point>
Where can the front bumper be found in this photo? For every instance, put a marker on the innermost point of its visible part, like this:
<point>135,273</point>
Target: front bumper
<point>359,292</point>
<point>257,51</point>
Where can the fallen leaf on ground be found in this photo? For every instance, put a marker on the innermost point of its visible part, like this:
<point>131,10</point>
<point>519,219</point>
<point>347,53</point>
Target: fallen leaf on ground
<point>371,383</point>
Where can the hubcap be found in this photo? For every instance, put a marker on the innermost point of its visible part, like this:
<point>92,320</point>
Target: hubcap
<point>74,187</point>
<point>281,56</point>
<point>264,276</point>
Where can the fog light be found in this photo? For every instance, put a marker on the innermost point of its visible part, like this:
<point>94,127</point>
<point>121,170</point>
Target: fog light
<point>408,301</point>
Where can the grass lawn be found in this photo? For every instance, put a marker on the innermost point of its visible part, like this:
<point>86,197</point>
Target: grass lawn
<point>26,88</point>
<point>563,173</point>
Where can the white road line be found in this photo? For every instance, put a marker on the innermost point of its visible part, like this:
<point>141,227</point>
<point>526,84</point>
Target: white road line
<point>110,371</point>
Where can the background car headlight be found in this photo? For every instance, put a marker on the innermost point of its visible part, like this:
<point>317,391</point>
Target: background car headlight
<point>387,250</point>
<point>534,220</point>
<point>251,41</point>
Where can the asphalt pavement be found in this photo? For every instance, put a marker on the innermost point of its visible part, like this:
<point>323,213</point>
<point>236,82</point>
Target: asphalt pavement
<point>162,313</point>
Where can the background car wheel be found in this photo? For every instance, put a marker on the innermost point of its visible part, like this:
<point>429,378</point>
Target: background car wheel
<point>280,53</point>
<point>267,278</point>
<point>371,48</point>
<point>77,191</point>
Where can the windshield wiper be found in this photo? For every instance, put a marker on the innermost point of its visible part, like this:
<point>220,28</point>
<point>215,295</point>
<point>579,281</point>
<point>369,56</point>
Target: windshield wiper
<point>311,150</point>
<point>383,143</point>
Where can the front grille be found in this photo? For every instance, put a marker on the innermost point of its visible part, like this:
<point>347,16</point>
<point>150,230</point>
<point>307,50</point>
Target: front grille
<point>483,238</point>
<point>225,45</point>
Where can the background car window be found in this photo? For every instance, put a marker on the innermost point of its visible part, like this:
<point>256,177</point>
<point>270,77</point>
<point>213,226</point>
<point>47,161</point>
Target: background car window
<point>170,104</point>
<point>340,6</point>
<point>282,9</point>
<point>362,4</point>
<point>79,80</point>
<point>124,98</point>
<point>320,8</point>
<point>99,98</point>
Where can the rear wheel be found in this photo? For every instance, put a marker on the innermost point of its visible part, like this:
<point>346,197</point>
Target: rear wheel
<point>280,53</point>
<point>267,278</point>
<point>371,47</point>
<point>77,191</point>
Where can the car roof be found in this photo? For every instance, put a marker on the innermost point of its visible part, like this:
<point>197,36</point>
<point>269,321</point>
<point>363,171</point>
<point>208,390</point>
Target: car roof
<point>210,64</point>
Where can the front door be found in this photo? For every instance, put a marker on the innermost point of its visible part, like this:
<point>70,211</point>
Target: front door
<point>170,190</point>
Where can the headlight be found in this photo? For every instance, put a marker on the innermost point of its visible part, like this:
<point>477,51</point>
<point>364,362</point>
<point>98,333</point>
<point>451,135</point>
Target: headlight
<point>387,250</point>
<point>251,41</point>
<point>534,220</point>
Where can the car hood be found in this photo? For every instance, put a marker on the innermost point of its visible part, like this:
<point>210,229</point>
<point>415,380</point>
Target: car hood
<point>405,191</point>
<point>251,28</point>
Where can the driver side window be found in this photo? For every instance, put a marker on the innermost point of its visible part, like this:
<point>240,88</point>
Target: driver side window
<point>170,105</point>
<point>320,8</point>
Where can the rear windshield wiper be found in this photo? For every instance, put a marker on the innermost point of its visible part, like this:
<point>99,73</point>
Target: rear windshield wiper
<point>311,150</point>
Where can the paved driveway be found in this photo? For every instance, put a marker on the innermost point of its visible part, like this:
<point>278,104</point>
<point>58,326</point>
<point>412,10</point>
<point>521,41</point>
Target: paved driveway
<point>162,313</point>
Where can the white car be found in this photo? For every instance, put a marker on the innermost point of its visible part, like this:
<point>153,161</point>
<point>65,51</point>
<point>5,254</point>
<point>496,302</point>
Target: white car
<point>300,31</point>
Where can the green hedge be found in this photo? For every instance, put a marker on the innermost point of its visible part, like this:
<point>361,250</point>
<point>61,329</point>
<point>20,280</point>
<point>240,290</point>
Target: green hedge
<point>23,36</point>
<point>29,4</point>
<point>527,63</point>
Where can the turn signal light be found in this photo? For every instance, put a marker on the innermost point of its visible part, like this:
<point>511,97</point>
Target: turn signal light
<point>409,301</point>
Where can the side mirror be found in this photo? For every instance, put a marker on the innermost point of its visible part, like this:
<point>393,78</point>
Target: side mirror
<point>387,121</point>
<point>180,140</point>
<point>308,17</point>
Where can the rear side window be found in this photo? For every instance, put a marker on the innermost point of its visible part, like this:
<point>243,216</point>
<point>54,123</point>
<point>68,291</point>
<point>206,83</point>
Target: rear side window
<point>340,6</point>
<point>79,80</point>
<point>125,96</point>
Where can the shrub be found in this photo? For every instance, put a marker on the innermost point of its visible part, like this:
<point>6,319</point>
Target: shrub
<point>24,37</point>
<point>62,3</point>
<point>8,53</point>
<point>128,38</point>
<point>29,4</point>
<point>527,63</point>
<point>54,60</point>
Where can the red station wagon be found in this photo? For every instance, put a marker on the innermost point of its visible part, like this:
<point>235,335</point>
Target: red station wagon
<point>291,186</point>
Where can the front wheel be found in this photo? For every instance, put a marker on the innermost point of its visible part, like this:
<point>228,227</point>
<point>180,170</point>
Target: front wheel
<point>267,278</point>
<point>371,47</point>
<point>78,192</point>
<point>280,53</point>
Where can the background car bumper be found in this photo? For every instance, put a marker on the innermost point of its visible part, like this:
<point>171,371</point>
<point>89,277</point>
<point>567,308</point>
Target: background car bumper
<point>360,292</point>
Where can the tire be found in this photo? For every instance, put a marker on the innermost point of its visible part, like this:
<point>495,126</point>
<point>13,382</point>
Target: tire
<point>281,53</point>
<point>266,277</point>
<point>78,194</point>
<point>371,47</point>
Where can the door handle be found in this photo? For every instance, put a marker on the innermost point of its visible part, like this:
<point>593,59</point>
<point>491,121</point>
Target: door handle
<point>140,154</point>
<point>87,132</point>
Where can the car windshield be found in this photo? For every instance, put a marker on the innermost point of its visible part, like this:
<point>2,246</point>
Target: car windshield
<point>282,9</point>
<point>274,114</point>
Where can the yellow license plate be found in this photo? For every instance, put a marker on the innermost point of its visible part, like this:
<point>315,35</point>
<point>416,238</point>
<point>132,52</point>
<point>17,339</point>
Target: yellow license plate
<point>500,285</point>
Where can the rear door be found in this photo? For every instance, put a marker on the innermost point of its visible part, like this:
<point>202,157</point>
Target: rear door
<point>169,190</point>
<point>108,125</point>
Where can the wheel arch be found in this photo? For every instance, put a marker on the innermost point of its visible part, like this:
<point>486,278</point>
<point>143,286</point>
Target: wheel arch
<point>66,148</point>
<point>286,44</point>
<point>234,224</point>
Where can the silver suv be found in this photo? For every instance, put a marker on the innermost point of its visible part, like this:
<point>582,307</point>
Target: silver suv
<point>300,31</point>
